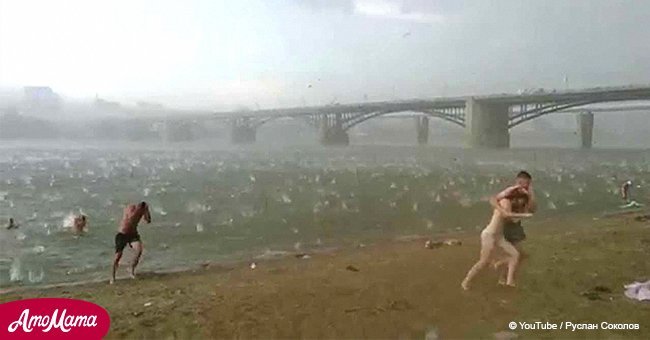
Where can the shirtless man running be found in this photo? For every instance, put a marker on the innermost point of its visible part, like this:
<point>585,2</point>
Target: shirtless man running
<point>513,231</point>
<point>492,237</point>
<point>128,234</point>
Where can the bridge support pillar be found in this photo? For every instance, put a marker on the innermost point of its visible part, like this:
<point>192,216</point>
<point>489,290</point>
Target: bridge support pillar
<point>332,132</point>
<point>242,131</point>
<point>586,129</point>
<point>422,129</point>
<point>486,124</point>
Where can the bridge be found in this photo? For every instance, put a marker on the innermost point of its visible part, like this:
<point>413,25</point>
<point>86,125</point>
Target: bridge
<point>487,120</point>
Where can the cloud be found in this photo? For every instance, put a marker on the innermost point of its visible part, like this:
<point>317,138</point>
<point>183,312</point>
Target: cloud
<point>341,5</point>
<point>396,10</point>
<point>420,11</point>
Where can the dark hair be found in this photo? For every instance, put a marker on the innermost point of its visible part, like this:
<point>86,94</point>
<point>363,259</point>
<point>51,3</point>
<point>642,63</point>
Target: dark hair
<point>143,204</point>
<point>524,174</point>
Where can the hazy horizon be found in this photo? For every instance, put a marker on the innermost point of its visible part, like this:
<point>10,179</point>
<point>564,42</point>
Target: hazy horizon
<point>287,52</point>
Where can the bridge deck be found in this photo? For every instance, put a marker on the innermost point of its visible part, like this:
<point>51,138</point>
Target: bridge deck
<point>540,97</point>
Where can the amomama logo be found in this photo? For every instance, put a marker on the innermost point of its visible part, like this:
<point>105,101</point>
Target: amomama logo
<point>53,318</point>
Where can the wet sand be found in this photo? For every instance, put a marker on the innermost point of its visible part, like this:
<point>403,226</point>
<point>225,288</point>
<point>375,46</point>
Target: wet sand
<point>401,290</point>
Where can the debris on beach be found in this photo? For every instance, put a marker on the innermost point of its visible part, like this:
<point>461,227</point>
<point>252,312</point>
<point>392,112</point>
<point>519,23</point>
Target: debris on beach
<point>642,218</point>
<point>632,204</point>
<point>352,268</point>
<point>595,292</point>
<point>147,304</point>
<point>303,256</point>
<point>429,244</point>
<point>431,334</point>
<point>453,242</point>
<point>639,291</point>
<point>253,265</point>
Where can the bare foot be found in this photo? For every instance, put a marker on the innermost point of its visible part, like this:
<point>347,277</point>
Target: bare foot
<point>511,285</point>
<point>464,285</point>
<point>132,273</point>
<point>501,282</point>
<point>111,281</point>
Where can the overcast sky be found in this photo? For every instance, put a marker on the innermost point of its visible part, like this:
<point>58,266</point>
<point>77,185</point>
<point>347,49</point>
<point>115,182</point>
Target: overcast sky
<point>220,54</point>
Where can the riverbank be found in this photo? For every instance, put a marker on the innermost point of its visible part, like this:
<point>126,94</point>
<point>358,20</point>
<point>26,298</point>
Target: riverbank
<point>576,272</point>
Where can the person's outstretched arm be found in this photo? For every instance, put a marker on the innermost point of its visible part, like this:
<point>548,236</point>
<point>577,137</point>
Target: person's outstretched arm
<point>495,201</point>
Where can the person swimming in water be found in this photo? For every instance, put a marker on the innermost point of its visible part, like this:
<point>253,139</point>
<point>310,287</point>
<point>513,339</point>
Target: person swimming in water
<point>128,234</point>
<point>79,224</point>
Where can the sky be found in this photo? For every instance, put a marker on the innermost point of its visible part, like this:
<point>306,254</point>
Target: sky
<point>278,53</point>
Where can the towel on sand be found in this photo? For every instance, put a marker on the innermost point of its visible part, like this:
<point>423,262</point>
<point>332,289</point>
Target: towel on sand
<point>638,291</point>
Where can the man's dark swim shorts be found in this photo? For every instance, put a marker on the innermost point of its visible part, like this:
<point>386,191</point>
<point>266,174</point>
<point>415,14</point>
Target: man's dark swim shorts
<point>513,232</point>
<point>121,240</point>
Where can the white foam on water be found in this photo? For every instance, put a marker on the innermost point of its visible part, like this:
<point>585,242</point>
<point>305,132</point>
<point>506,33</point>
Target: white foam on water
<point>199,228</point>
<point>68,221</point>
<point>34,276</point>
<point>159,211</point>
<point>15,271</point>
<point>271,254</point>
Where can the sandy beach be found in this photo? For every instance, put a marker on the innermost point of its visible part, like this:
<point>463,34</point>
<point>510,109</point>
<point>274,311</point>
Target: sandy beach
<point>392,289</point>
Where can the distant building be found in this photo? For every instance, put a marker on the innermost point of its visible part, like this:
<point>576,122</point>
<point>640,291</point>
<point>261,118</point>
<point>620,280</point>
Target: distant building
<point>41,100</point>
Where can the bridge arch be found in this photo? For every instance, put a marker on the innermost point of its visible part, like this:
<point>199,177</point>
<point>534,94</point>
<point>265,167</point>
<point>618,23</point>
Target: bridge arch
<point>456,118</point>
<point>522,116</point>
<point>528,112</point>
